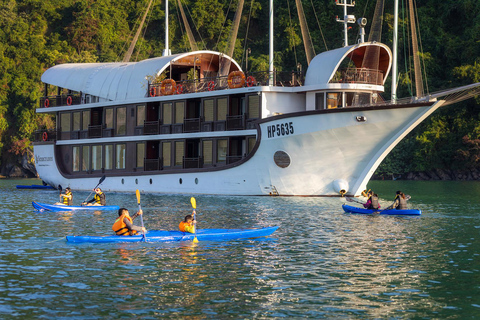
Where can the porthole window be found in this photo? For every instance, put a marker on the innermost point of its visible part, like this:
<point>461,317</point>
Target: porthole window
<point>180,180</point>
<point>196,180</point>
<point>123,181</point>
<point>281,159</point>
<point>151,181</point>
<point>136,181</point>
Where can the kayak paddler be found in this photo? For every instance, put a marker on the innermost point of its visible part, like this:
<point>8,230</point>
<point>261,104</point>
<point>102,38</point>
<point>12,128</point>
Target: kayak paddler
<point>187,225</point>
<point>98,199</point>
<point>400,202</point>
<point>372,201</point>
<point>67,197</point>
<point>124,226</point>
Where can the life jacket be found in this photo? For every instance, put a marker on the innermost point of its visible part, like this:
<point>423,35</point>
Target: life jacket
<point>98,199</point>
<point>186,227</point>
<point>374,203</point>
<point>120,227</point>
<point>68,200</point>
<point>402,203</point>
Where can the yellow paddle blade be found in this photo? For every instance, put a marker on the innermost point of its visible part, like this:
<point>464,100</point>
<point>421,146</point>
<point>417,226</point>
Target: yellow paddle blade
<point>138,196</point>
<point>194,202</point>
<point>195,240</point>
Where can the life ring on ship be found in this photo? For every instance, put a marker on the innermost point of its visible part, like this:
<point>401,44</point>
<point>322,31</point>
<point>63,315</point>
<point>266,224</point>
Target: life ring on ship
<point>236,79</point>
<point>168,87</point>
<point>179,89</point>
<point>69,100</point>
<point>46,103</point>
<point>211,86</point>
<point>251,81</point>
<point>45,136</point>
<point>153,91</point>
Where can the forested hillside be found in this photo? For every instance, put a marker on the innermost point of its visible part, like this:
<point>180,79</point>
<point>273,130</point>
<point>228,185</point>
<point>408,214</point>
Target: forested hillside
<point>37,34</point>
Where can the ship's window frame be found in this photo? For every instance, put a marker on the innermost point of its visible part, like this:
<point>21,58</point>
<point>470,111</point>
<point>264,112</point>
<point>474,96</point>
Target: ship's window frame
<point>121,121</point>
<point>319,100</point>
<point>140,153</point>
<point>167,113</point>
<point>334,100</point>
<point>251,141</point>
<point>109,116</point>
<point>120,159</point>
<point>76,158</point>
<point>65,121</point>
<point>254,106</point>
<point>207,152</point>
<point>141,115</point>
<point>166,158</point>
<point>179,112</point>
<point>85,120</point>
<point>222,108</point>
<point>208,109</point>
<point>77,121</point>
<point>86,158</point>
<point>179,153</point>
<point>109,156</point>
<point>97,157</point>
<point>221,151</point>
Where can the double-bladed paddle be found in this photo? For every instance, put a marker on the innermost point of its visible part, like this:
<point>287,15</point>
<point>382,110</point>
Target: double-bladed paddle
<point>99,182</point>
<point>141,216</point>
<point>194,205</point>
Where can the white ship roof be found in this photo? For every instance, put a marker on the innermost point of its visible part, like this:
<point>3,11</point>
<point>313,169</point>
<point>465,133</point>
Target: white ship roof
<point>123,80</point>
<point>323,67</point>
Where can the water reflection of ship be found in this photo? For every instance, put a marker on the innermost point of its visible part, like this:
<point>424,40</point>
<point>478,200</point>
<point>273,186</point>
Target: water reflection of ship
<point>152,126</point>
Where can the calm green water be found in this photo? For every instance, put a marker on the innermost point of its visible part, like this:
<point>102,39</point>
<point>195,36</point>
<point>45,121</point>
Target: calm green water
<point>321,263</point>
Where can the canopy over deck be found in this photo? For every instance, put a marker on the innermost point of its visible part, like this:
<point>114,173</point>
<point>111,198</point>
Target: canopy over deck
<point>118,81</point>
<point>323,67</point>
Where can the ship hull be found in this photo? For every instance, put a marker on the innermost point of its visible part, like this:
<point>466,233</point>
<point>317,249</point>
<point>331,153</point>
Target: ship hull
<point>321,154</point>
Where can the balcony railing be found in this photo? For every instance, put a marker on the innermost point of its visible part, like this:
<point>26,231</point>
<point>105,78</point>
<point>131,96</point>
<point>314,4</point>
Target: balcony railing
<point>358,75</point>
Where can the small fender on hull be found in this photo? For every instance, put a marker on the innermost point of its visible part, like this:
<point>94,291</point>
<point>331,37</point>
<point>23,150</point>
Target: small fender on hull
<point>340,186</point>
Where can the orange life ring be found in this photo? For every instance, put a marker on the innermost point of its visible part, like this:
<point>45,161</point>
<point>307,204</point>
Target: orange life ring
<point>211,86</point>
<point>69,100</point>
<point>45,136</point>
<point>153,91</point>
<point>46,103</point>
<point>251,81</point>
<point>168,87</point>
<point>179,89</point>
<point>236,79</point>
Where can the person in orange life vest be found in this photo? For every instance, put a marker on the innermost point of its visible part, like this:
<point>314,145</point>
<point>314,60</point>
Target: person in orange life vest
<point>187,225</point>
<point>98,199</point>
<point>124,226</point>
<point>67,197</point>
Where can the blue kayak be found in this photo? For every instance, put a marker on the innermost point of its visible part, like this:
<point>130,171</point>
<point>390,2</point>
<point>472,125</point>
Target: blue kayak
<point>391,212</point>
<point>170,236</point>
<point>55,207</point>
<point>35,186</point>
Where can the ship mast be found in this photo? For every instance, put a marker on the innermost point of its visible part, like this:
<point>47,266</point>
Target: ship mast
<point>346,17</point>
<point>166,51</point>
<point>270,62</point>
<point>395,49</point>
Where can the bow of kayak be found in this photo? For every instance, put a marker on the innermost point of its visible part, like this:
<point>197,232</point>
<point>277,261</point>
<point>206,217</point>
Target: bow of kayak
<point>391,212</point>
<point>54,207</point>
<point>170,236</point>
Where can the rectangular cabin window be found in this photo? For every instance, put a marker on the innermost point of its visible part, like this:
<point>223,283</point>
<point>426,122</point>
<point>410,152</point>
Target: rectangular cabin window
<point>109,118</point>
<point>253,107</point>
<point>76,159</point>
<point>222,109</point>
<point>85,158</point>
<point>167,113</point>
<point>120,156</point>
<point>85,119</point>
<point>179,152</point>
<point>208,109</point>
<point>108,156</point>
<point>222,145</point>
<point>76,121</point>
<point>334,100</point>
<point>207,147</point>
<point>140,154</point>
<point>251,144</point>
<point>65,121</point>
<point>179,112</point>
<point>167,154</point>
<point>97,157</point>
<point>140,115</point>
<point>121,121</point>
<point>320,101</point>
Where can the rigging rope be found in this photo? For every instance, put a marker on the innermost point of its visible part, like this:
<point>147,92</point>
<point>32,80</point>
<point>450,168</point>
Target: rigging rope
<point>319,26</point>
<point>291,28</point>
<point>246,37</point>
